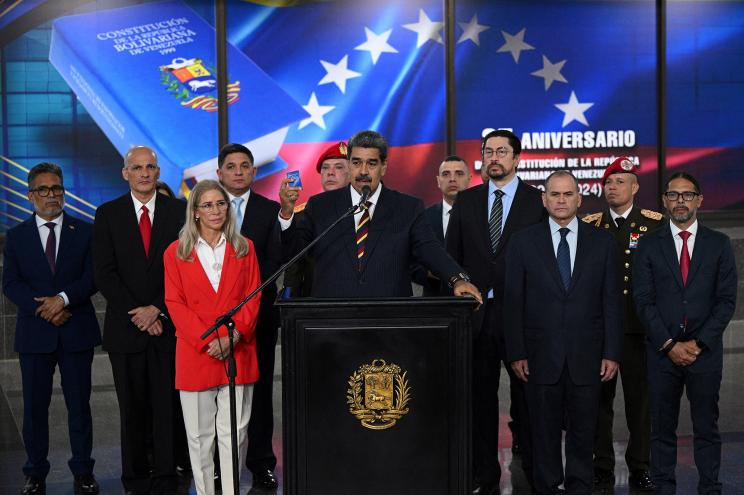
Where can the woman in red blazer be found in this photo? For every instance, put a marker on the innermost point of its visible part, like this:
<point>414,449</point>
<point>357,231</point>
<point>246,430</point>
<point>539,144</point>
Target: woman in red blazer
<point>208,270</point>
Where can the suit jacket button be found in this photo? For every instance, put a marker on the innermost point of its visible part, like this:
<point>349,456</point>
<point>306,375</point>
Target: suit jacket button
<point>627,265</point>
<point>625,291</point>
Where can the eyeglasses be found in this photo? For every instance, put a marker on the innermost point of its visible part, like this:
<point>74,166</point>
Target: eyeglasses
<point>501,152</point>
<point>220,205</point>
<point>686,195</point>
<point>44,191</point>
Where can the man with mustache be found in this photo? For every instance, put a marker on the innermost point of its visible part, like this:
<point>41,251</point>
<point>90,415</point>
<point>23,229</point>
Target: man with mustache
<point>684,287</point>
<point>628,223</point>
<point>369,253</point>
<point>48,274</point>
<point>482,221</point>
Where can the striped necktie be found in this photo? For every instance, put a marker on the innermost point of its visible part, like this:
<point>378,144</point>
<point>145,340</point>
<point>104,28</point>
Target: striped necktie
<point>362,230</point>
<point>494,221</point>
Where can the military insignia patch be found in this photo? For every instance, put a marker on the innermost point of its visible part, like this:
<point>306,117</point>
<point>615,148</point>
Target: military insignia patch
<point>634,236</point>
<point>378,394</point>
<point>342,148</point>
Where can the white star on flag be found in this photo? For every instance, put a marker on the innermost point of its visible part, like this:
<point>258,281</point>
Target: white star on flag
<point>316,112</point>
<point>425,29</point>
<point>515,44</point>
<point>338,73</point>
<point>550,72</point>
<point>472,30</point>
<point>573,110</point>
<point>376,44</point>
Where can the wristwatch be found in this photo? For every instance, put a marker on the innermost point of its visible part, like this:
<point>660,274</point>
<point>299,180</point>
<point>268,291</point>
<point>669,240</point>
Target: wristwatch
<point>456,278</point>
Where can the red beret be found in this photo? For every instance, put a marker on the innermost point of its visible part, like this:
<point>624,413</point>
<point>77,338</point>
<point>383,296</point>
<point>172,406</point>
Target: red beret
<point>622,165</point>
<point>337,150</point>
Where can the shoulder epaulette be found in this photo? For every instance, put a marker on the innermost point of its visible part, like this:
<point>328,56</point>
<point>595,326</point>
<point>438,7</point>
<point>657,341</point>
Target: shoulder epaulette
<point>300,207</point>
<point>595,218</point>
<point>653,215</point>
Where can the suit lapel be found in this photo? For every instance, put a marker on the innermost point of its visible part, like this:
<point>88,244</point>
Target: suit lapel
<point>347,227</point>
<point>66,238</point>
<point>31,237</point>
<point>377,224</point>
<point>670,253</point>
<point>547,254</point>
<point>159,221</point>
<point>197,277</point>
<point>245,228</point>
<point>583,241</point>
<point>229,277</point>
<point>481,216</point>
<point>509,223</point>
<point>437,222</point>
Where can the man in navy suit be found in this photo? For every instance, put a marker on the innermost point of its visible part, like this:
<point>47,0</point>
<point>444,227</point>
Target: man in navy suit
<point>369,253</point>
<point>256,218</point>
<point>453,177</point>
<point>684,286</point>
<point>564,332</point>
<point>48,274</point>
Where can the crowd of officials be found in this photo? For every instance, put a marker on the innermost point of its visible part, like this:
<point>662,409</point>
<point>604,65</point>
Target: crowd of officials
<point>568,304</point>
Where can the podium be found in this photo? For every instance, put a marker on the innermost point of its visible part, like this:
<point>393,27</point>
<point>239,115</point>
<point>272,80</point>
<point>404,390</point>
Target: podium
<point>376,396</point>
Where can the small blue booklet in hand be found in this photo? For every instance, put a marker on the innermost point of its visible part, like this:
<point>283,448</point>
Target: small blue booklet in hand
<point>147,75</point>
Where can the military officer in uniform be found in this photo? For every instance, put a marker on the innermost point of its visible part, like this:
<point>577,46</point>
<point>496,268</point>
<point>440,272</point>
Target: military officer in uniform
<point>627,223</point>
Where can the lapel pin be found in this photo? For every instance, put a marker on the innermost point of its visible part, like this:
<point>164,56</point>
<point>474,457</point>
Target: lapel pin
<point>632,225</point>
<point>643,228</point>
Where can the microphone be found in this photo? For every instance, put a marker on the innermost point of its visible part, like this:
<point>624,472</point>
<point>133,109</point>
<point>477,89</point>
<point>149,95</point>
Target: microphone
<point>366,193</point>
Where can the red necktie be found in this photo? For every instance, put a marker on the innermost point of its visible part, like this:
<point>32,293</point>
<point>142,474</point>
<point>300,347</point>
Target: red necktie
<point>361,232</point>
<point>145,228</point>
<point>684,256</point>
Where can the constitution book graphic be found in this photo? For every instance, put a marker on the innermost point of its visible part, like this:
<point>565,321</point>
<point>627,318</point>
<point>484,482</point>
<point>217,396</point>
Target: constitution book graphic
<point>147,75</point>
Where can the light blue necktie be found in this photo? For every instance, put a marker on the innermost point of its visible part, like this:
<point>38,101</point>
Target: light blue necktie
<point>238,215</point>
<point>564,258</point>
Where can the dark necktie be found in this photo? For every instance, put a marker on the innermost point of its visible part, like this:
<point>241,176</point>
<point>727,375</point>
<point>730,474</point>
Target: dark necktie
<point>494,221</point>
<point>684,257</point>
<point>51,247</point>
<point>619,221</point>
<point>145,228</point>
<point>361,232</point>
<point>564,258</point>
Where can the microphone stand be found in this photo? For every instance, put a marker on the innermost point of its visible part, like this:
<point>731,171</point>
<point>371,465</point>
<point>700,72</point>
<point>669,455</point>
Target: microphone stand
<point>227,321</point>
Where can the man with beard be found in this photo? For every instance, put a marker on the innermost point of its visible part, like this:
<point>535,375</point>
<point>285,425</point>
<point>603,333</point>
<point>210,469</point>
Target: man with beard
<point>684,287</point>
<point>628,223</point>
<point>481,223</point>
<point>333,167</point>
<point>48,274</point>
<point>453,177</point>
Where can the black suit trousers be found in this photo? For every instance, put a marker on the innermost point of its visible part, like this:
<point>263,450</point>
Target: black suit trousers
<point>634,377</point>
<point>37,372</point>
<point>145,389</point>
<point>260,455</point>
<point>549,406</point>
<point>667,381</point>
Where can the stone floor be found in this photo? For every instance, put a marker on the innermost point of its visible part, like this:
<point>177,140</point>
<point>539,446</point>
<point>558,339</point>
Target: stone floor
<point>106,432</point>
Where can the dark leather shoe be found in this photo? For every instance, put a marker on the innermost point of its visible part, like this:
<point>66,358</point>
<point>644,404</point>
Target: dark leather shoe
<point>265,479</point>
<point>603,478</point>
<point>85,484</point>
<point>641,481</point>
<point>34,486</point>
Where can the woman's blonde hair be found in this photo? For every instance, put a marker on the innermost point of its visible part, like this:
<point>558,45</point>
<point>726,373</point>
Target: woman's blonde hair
<point>189,234</point>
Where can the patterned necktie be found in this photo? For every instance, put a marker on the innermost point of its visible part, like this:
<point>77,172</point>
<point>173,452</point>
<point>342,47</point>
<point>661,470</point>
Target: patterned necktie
<point>145,229</point>
<point>238,214</point>
<point>619,221</point>
<point>684,256</point>
<point>51,247</point>
<point>362,230</point>
<point>494,221</point>
<point>564,258</point>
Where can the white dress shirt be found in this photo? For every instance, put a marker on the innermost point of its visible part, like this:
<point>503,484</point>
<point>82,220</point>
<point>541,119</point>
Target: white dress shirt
<point>446,209</point>
<point>678,240</point>
<point>44,235</point>
<point>624,214</point>
<point>150,207</point>
<point>571,237</point>
<point>211,259</point>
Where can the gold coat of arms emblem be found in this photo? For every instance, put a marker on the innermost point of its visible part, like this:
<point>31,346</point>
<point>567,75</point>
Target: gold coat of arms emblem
<point>378,394</point>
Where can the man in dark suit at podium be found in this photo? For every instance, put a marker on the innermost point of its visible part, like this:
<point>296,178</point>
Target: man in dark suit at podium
<point>369,253</point>
<point>482,221</point>
<point>48,274</point>
<point>453,176</point>
<point>256,218</point>
<point>684,286</point>
<point>564,333</point>
<point>130,235</point>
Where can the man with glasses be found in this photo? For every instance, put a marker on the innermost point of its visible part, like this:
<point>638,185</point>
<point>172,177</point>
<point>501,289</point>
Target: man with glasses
<point>48,274</point>
<point>130,235</point>
<point>482,221</point>
<point>684,287</point>
<point>627,223</point>
<point>256,219</point>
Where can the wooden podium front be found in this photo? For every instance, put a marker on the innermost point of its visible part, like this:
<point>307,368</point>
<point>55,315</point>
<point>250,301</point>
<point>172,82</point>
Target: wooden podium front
<point>376,396</point>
